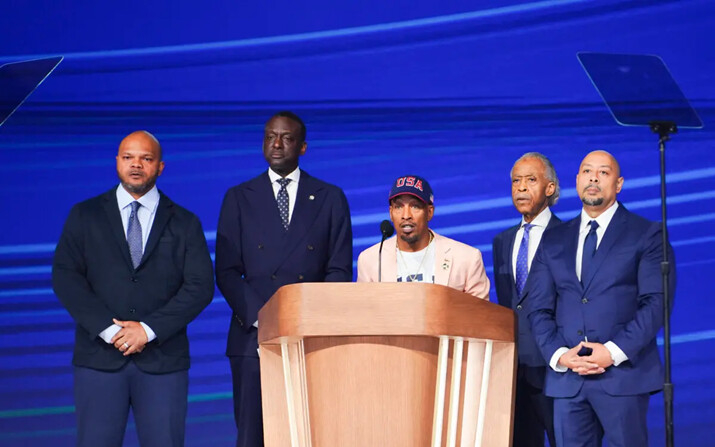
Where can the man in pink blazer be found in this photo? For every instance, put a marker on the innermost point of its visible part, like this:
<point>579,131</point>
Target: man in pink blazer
<point>418,254</point>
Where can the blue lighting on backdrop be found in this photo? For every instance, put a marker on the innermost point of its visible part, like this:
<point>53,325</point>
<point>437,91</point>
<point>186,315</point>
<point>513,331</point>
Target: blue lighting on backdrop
<point>453,91</point>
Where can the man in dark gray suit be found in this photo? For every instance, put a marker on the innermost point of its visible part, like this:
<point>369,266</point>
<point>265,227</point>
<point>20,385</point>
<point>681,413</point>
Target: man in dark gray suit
<point>279,228</point>
<point>132,268</point>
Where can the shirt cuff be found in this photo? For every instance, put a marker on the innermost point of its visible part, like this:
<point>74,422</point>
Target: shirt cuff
<point>554,362</point>
<point>617,354</point>
<point>255,324</point>
<point>150,335</point>
<point>108,333</point>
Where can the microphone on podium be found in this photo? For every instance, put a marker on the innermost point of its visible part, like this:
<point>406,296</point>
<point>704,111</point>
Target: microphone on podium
<point>387,230</point>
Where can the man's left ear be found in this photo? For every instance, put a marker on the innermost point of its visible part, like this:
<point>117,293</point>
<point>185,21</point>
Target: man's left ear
<point>161,167</point>
<point>430,212</point>
<point>550,189</point>
<point>303,148</point>
<point>619,184</point>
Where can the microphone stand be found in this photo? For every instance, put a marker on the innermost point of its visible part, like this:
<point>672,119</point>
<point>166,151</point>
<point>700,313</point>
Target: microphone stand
<point>379,260</point>
<point>664,129</point>
<point>387,231</point>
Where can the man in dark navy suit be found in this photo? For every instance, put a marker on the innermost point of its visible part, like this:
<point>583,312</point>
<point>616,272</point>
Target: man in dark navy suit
<point>133,269</point>
<point>282,227</point>
<point>595,299</point>
<point>534,189</point>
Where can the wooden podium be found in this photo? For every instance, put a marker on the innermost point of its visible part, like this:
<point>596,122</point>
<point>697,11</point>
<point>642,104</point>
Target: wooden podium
<point>385,365</point>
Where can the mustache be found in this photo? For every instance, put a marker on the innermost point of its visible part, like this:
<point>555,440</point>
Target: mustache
<point>522,196</point>
<point>598,188</point>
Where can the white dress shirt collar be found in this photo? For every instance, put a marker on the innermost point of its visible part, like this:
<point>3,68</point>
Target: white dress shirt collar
<point>603,219</point>
<point>293,176</point>
<point>535,232</point>
<point>148,200</point>
<point>541,220</point>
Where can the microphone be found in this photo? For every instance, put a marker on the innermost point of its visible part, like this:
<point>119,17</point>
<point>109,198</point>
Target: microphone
<point>387,230</point>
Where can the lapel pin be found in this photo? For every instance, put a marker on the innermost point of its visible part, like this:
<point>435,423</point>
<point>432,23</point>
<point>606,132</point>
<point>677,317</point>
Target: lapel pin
<point>311,197</point>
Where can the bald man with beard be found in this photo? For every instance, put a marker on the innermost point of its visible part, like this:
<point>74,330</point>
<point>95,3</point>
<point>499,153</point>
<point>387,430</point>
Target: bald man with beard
<point>595,302</point>
<point>132,268</point>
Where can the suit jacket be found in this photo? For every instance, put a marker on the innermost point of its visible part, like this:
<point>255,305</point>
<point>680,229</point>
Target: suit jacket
<point>502,250</point>
<point>457,265</point>
<point>255,255</point>
<point>621,300</point>
<point>95,280</point>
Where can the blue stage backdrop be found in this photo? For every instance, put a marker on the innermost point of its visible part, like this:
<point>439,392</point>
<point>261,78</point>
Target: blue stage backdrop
<point>453,91</point>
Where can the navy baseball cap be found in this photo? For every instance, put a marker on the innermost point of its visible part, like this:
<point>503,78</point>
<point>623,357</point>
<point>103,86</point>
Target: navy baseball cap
<point>413,185</point>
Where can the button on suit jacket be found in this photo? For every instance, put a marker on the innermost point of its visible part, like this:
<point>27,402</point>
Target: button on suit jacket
<point>255,255</point>
<point>94,278</point>
<point>502,250</point>
<point>620,300</point>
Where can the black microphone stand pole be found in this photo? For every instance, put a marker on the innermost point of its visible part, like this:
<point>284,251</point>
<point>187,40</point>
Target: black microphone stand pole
<point>387,230</point>
<point>664,129</point>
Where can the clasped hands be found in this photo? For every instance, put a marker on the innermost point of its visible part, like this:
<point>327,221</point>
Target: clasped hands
<point>586,365</point>
<point>131,338</point>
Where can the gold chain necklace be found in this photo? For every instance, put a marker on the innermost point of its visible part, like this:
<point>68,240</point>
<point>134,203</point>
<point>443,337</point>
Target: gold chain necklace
<point>424,256</point>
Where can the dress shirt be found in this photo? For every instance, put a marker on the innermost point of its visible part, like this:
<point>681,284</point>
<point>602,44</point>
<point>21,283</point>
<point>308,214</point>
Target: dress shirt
<point>604,219</point>
<point>291,188</point>
<point>145,213</point>
<point>539,224</point>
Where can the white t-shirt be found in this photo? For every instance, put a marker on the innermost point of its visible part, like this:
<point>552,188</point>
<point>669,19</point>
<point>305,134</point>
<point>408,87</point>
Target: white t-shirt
<point>417,266</point>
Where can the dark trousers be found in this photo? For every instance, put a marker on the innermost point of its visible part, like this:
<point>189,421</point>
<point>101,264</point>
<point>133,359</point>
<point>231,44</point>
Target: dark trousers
<point>583,420</point>
<point>103,399</point>
<point>534,411</point>
<point>247,410</point>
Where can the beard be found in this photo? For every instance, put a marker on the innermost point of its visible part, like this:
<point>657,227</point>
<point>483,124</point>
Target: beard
<point>597,201</point>
<point>141,188</point>
<point>411,239</point>
<point>592,202</point>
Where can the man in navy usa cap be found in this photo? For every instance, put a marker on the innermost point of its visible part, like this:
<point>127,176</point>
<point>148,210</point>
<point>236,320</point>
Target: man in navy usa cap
<point>418,254</point>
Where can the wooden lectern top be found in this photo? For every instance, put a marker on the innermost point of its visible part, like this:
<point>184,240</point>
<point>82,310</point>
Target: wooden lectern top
<point>304,310</point>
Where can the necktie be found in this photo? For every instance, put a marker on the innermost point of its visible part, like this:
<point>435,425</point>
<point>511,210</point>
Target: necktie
<point>282,199</point>
<point>134,235</point>
<point>589,250</point>
<point>522,260</point>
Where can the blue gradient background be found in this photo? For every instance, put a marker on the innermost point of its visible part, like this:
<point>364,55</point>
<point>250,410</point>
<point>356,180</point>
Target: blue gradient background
<point>454,91</point>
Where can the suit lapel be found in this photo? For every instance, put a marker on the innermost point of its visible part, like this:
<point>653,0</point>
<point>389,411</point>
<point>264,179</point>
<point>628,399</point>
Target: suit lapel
<point>111,209</point>
<point>552,223</point>
<point>507,252</point>
<point>163,214</point>
<point>508,248</point>
<point>614,230</point>
<point>442,261</point>
<point>570,245</point>
<point>308,202</point>
<point>264,210</point>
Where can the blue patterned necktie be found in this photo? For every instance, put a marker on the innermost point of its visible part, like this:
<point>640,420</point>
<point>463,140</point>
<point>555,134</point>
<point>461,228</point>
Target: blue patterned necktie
<point>282,199</point>
<point>134,235</point>
<point>522,260</point>
<point>589,250</point>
